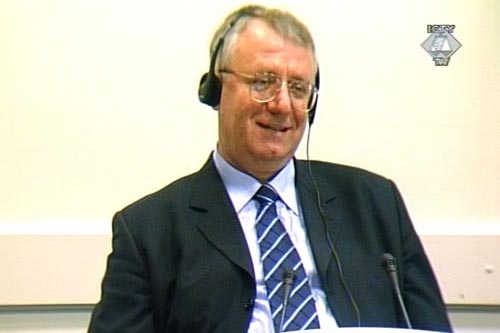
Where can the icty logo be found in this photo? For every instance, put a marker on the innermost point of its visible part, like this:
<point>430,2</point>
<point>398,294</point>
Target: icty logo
<point>441,44</point>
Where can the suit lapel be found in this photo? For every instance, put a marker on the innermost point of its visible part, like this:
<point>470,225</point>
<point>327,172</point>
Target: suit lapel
<point>320,224</point>
<point>313,218</point>
<point>218,221</point>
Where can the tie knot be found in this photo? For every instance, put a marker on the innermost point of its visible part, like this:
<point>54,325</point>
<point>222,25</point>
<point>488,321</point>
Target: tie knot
<point>266,194</point>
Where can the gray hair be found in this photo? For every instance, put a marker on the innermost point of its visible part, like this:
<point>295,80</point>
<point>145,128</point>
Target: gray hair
<point>282,22</point>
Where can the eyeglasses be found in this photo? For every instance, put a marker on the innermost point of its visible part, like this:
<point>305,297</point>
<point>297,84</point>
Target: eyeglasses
<point>264,87</point>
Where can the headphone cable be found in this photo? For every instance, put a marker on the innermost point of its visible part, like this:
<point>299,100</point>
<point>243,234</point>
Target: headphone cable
<point>328,238</point>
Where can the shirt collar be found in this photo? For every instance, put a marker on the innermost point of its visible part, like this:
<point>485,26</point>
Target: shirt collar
<point>241,187</point>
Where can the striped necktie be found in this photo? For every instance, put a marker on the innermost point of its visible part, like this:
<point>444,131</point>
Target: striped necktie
<point>279,258</point>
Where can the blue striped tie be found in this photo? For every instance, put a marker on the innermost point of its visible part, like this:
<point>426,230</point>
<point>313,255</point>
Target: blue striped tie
<point>278,255</point>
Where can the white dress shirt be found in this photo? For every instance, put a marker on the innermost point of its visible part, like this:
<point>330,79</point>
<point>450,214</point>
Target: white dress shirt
<point>241,188</point>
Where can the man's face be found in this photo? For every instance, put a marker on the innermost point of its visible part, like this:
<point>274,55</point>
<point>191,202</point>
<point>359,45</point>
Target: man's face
<point>260,138</point>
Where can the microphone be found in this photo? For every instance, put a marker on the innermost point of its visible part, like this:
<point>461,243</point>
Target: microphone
<point>289,277</point>
<point>390,265</point>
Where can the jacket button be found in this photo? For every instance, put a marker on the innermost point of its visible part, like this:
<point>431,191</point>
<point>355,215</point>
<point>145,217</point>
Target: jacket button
<point>248,304</point>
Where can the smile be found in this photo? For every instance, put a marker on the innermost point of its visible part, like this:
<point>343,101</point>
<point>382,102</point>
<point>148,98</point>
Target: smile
<point>274,127</point>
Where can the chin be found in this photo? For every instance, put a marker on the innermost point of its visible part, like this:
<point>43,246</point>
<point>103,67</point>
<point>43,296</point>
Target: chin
<point>275,155</point>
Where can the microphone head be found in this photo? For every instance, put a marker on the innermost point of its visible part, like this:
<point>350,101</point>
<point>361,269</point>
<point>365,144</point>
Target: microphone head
<point>389,262</point>
<point>289,276</point>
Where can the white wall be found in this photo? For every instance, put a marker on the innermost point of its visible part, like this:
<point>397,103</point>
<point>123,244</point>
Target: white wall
<point>98,105</point>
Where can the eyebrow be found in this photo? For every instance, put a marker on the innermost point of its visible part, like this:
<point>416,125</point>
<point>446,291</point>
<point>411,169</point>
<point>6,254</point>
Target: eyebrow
<point>291,78</point>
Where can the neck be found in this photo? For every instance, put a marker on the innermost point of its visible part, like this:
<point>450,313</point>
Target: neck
<point>262,171</point>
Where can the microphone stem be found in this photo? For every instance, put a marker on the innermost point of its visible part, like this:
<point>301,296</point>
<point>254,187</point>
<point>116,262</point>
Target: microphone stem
<point>288,279</point>
<point>403,308</point>
<point>282,320</point>
<point>390,266</point>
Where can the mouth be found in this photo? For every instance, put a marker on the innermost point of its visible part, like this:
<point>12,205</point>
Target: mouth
<point>274,127</point>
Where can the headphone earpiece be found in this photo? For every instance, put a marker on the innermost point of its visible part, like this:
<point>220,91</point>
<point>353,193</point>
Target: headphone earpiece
<point>210,89</point>
<point>312,112</point>
<point>210,86</point>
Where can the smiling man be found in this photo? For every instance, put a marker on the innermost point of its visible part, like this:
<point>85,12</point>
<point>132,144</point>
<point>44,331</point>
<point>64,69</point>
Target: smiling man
<point>258,241</point>
<point>259,131</point>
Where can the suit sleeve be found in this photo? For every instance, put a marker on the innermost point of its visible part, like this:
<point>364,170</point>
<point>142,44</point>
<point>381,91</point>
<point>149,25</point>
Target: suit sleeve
<point>126,299</point>
<point>420,289</point>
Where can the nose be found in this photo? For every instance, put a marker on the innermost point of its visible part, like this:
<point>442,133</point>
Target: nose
<point>282,102</point>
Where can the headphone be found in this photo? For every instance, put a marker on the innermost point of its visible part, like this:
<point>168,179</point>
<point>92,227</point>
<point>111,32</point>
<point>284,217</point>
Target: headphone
<point>209,90</point>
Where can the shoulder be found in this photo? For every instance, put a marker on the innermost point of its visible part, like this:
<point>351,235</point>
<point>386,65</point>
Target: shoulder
<point>349,181</point>
<point>173,191</point>
<point>340,173</point>
<point>158,206</point>
<point>178,193</point>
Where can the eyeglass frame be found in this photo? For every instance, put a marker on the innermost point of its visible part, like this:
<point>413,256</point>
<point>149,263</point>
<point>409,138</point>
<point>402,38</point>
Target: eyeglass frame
<point>251,81</point>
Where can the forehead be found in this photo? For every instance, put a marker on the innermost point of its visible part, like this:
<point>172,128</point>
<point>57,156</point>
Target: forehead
<point>258,47</point>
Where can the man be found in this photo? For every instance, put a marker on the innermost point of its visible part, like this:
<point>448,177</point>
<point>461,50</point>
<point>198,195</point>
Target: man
<point>195,256</point>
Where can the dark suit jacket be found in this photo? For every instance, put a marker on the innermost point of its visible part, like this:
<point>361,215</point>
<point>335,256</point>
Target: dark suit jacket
<point>180,262</point>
